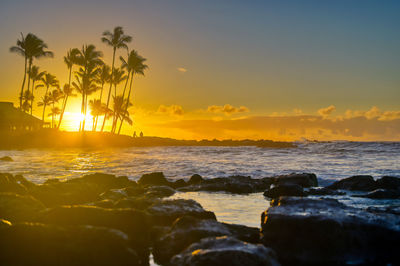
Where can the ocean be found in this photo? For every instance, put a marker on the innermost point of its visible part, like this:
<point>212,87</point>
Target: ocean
<point>330,161</point>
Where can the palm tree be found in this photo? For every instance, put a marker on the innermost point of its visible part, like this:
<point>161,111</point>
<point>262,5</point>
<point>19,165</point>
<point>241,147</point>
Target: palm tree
<point>118,77</point>
<point>49,81</point>
<point>30,47</point>
<point>20,49</point>
<point>88,58</point>
<point>69,60</point>
<point>103,76</point>
<point>96,109</point>
<point>134,65</point>
<point>27,98</point>
<point>117,39</point>
<point>54,112</point>
<point>54,97</point>
<point>36,76</point>
<point>44,102</point>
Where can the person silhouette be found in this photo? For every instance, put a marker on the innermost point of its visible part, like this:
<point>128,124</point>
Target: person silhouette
<point>141,134</point>
<point>134,134</point>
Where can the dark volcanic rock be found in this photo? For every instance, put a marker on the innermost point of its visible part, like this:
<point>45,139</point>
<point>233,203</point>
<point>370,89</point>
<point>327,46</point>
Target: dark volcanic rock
<point>388,182</point>
<point>324,231</point>
<point>323,191</point>
<point>195,179</point>
<point>225,251</point>
<point>381,194</point>
<point>304,179</point>
<point>167,211</point>
<point>155,179</point>
<point>285,190</point>
<point>10,183</point>
<point>179,183</point>
<point>160,191</point>
<point>358,182</point>
<point>188,230</point>
<point>39,244</point>
<point>139,203</point>
<point>79,190</point>
<point>6,159</point>
<point>135,223</point>
<point>232,184</point>
<point>18,208</point>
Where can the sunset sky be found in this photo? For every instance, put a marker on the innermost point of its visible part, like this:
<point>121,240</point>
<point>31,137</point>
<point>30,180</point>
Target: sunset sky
<point>282,70</point>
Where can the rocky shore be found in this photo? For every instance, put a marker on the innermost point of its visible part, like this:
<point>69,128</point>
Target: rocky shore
<point>102,219</point>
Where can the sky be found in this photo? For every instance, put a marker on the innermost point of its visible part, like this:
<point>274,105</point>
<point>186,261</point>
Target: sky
<point>282,70</point>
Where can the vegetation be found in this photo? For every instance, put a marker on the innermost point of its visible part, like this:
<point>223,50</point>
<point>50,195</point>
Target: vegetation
<point>91,75</point>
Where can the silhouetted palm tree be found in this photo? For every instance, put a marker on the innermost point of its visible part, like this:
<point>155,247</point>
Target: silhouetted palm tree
<point>117,78</point>
<point>20,49</point>
<point>27,99</point>
<point>49,81</point>
<point>54,112</point>
<point>55,96</point>
<point>134,65</point>
<point>69,60</point>
<point>96,109</point>
<point>117,39</point>
<point>89,60</point>
<point>36,76</point>
<point>44,102</point>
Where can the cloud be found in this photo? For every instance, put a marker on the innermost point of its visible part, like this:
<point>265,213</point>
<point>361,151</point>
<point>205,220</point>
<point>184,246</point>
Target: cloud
<point>374,113</point>
<point>326,111</point>
<point>182,69</point>
<point>291,128</point>
<point>227,109</point>
<point>297,111</point>
<point>170,110</point>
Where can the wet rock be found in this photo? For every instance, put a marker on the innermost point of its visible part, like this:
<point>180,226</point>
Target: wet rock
<point>188,230</point>
<point>305,179</point>
<point>113,194</point>
<point>40,244</point>
<point>79,190</point>
<point>358,182</point>
<point>393,209</point>
<point>16,208</point>
<point>179,183</point>
<point>139,203</point>
<point>381,194</point>
<point>9,183</point>
<point>6,159</point>
<point>322,191</point>
<point>233,184</point>
<point>160,191</point>
<point>285,190</point>
<point>195,179</point>
<point>225,251</point>
<point>134,223</point>
<point>167,211</point>
<point>325,231</point>
<point>155,179</point>
<point>388,182</point>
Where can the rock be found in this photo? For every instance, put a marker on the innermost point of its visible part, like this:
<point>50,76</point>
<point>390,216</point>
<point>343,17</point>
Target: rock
<point>324,231</point>
<point>40,244</point>
<point>225,251</point>
<point>381,194</point>
<point>167,211</point>
<point>195,179</point>
<point>358,182</point>
<point>139,203</point>
<point>179,183</point>
<point>16,208</point>
<point>160,191</point>
<point>233,184</point>
<point>134,223</point>
<point>155,179</point>
<point>285,190</point>
<point>388,182</point>
<point>6,159</point>
<point>9,183</point>
<point>113,194</point>
<point>322,191</point>
<point>305,179</point>
<point>80,190</point>
<point>188,230</point>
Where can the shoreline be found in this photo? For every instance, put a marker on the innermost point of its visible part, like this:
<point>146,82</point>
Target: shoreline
<point>48,138</point>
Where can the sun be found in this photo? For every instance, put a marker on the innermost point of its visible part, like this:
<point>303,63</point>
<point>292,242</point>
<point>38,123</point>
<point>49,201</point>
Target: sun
<point>72,121</point>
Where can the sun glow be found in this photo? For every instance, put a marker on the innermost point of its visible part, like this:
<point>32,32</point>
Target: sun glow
<point>72,121</point>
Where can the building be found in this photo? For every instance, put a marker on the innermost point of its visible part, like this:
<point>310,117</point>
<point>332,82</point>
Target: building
<point>13,119</point>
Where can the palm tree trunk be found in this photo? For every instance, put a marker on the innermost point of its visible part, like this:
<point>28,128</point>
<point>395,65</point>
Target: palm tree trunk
<point>23,85</point>
<point>44,104</point>
<point>109,91</point>
<point>33,89</point>
<point>127,104</point>
<point>65,100</point>
<point>29,75</point>
<point>82,111</point>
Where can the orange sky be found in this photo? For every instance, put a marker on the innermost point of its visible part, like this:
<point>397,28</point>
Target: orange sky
<point>323,71</point>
